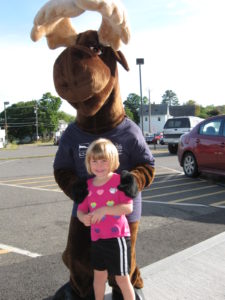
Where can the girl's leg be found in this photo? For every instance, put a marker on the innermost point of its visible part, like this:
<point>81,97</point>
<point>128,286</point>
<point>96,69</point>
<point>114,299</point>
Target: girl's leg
<point>126,287</point>
<point>100,278</point>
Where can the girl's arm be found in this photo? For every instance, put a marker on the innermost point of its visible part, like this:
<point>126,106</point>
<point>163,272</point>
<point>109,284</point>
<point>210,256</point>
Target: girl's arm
<point>117,210</point>
<point>84,218</point>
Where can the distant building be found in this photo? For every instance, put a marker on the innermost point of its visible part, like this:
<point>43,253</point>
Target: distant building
<point>62,125</point>
<point>61,128</point>
<point>159,113</point>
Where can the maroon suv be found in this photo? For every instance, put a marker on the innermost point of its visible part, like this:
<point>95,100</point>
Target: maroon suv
<point>203,148</point>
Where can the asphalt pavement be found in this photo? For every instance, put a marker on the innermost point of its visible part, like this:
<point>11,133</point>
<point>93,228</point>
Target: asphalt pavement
<point>196,273</point>
<point>28,150</point>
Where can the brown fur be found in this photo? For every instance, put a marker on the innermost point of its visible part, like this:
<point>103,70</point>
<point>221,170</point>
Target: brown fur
<point>89,82</point>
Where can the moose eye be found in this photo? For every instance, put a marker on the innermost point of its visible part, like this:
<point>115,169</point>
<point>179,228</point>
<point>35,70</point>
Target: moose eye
<point>96,50</point>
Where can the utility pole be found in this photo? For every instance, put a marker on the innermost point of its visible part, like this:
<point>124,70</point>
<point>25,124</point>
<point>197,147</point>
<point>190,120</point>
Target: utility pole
<point>36,123</point>
<point>6,126</point>
<point>140,61</point>
<point>149,110</point>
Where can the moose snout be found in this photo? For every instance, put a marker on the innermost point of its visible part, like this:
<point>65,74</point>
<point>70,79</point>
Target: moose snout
<point>79,74</point>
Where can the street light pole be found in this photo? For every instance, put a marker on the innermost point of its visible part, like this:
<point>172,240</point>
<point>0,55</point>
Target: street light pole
<point>140,61</point>
<point>149,110</point>
<point>6,130</point>
<point>36,124</point>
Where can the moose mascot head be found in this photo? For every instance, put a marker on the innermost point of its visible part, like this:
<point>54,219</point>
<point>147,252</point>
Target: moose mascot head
<point>86,75</point>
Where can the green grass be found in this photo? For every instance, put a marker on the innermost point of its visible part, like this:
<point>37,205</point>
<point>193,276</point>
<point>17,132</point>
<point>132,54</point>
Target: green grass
<point>10,147</point>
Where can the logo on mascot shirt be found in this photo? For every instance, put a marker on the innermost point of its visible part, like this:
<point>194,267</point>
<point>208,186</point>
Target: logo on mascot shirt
<point>82,149</point>
<point>119,148</point>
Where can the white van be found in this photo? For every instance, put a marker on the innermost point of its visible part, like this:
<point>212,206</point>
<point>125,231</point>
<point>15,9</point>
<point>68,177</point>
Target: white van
<point>175,127</point>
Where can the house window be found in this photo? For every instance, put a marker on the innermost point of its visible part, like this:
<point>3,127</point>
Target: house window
<point>146,119</point>
<point>159,119</point>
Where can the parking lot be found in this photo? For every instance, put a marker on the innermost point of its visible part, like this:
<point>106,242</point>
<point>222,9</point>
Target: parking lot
<point>178,212</point>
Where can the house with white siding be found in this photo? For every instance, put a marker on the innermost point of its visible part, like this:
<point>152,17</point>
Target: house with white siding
<point>156,115</point>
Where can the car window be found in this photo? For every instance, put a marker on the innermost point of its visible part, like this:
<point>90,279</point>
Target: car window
<point>211,128</point>
<point>178,123</point>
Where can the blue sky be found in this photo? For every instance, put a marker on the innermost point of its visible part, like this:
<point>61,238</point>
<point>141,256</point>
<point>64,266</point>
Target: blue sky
<point>181,41</point>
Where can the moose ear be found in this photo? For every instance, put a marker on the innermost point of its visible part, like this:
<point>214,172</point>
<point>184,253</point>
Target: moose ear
<point>121,59</point>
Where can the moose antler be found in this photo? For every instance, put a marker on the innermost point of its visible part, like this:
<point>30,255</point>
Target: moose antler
<point>53,21</point>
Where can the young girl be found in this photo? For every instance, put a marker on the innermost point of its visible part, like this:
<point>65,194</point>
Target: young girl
<point>104,209</point>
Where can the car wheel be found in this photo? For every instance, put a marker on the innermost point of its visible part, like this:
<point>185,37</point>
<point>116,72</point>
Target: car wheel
<point>190,166</point>
<point>172,148</point>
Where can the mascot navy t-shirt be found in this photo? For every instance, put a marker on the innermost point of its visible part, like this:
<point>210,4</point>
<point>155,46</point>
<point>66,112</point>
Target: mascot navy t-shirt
<point>128,139</point>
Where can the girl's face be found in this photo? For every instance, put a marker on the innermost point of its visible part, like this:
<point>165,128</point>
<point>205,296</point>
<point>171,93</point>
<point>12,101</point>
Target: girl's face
<point>100,167</point>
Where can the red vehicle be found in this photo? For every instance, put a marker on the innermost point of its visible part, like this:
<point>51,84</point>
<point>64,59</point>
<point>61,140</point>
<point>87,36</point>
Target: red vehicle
<point>203,148</point>
<point>153,138</point>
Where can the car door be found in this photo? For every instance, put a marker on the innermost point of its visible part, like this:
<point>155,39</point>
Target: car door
<point>210,145</point>
<point>222,147</point>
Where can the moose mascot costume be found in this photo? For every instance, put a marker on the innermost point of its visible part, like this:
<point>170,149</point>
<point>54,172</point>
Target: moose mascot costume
<point>86,75</point>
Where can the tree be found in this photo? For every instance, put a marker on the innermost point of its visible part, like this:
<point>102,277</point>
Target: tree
<point>213,112</point>
<point>170,98</point>
<point>203,113</point>
<point>48,107</point>
<point>66,117</point>
<point>190,102</point>
<point>197,107</point>
<point>133,104</point>
<point>22,118</point>
<point>129,113</point>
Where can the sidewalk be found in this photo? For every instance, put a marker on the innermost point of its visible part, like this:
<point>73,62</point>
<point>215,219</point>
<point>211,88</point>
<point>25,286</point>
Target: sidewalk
<point>196,273</point>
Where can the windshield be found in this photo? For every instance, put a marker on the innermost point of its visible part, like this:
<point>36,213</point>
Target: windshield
<point>177,123</point>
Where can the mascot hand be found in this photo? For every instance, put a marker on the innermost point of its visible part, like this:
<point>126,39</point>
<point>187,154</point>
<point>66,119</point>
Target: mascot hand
<point>80,190</point>
<point>128,184</point>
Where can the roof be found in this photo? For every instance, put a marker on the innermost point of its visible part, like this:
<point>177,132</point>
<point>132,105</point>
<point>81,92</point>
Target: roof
<point>182,110</point>
<point>175,111</point>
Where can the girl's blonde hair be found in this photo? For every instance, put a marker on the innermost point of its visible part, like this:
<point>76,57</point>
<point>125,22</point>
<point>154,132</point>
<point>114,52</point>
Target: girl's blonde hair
<point>102,149</point>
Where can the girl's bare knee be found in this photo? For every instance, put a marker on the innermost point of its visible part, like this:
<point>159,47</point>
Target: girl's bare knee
<point>122,280</point>
<point>100,276</point>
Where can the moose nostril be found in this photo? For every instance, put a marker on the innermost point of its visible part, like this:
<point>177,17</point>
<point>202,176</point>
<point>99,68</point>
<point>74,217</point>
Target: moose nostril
<point>64,85</point>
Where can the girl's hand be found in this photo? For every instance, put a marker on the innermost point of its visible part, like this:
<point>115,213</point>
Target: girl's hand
<point>97,215</point>
<point>86,219</point>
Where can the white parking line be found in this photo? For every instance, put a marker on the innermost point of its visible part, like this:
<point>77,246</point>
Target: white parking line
<point>183,204</point>
<point>19,251</point>
<point>170,203</point>
<point>171,186</point>
<point>30,188</point>
<point>198,196</point>
<point>173,170</point>
<point>181,191</point>
<point>26,179</point>
<point>7,161</point>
